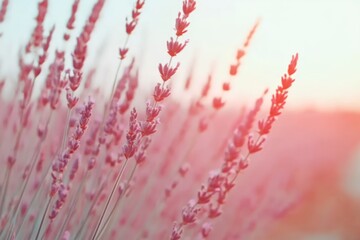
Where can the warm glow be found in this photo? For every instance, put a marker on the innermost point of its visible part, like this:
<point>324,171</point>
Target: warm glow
<point>181,119</point>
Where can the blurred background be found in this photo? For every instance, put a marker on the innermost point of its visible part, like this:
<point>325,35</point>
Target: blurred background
<point>313,155</point>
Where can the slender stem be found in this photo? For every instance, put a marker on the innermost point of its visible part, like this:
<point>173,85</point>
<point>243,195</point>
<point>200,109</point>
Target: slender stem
<point>42,219</point>
<point>35,196</point>
<point>8,171</point>
<point>84,220</point>
<point>6,182</point>
<point>73,204</point>
<point>15,149</point>
<point>32,162</point>
<point>109,104</point>
<point>23,187</point>
<point>66,132</point>
<point>22,220</point>
<point>18,137</point>
<point>117,71</point>
<point>118,201</point>
<point>109,198</point>
<point>107,109</point>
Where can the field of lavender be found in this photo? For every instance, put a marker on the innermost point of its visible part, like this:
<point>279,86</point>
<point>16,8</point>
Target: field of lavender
<point>134,162</point>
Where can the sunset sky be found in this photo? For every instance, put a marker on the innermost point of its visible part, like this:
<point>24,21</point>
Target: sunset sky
<point>325,33</point>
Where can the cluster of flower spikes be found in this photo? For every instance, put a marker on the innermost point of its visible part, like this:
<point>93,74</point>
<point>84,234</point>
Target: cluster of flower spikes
<point>161,90</point>
<point>61,162</point>
<point>220,182</point>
